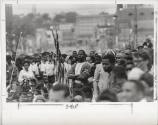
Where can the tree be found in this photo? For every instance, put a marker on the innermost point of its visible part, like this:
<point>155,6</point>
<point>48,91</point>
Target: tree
<point>23,24</point>
<point>27,24</point>
<point>69,17</point>
<point>42,21</point>
<point>58,18</point>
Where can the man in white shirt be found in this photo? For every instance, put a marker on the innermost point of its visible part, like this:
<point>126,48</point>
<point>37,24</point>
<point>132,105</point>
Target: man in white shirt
<point>25,73</point>
<point>34,68</point>
<point>67,68</point>
<point>67,64</point>
<point>50,68</point>
<point>42,66</point>
<point>102,75</point>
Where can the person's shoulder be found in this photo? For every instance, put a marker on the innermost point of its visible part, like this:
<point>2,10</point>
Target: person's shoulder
<point>13,65</point>
<point>65,64</point>
<point>74,64</point>
<point>99,66</point>
<point>143,100</point>
<point>21,71</point>
<point>86,63</point>
<point>136,69</point>
<point>135,73</point>
<point>13,62</point>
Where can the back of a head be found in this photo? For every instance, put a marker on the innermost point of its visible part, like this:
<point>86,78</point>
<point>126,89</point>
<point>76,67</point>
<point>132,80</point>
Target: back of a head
<point>135,74</point>
<point>107,96</point>
<point>139,86</point>
<point>140,47</point>
<point>61,87</point>
<point>39,98</point>
<point>8,58</point>
<point>77,92</point>
<point>120,72</point>
<point>148,78</point>
<point>98,59</point>
<point>87,92</point>
<point>64,55</point>
<point>144,55</point>
<point>77,98</point>
<point>135,54</point>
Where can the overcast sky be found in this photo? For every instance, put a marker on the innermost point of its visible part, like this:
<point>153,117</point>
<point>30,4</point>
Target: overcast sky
<point>83,9</point>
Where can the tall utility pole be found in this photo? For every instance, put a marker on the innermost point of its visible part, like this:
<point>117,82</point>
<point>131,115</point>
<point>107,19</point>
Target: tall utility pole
<point>116,26</point>
<point>135,27</point>
<point>34,11</point>
<point>119,6</point>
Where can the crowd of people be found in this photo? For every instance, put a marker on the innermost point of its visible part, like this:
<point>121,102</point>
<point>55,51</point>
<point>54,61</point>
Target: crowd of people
<point>113,76</point>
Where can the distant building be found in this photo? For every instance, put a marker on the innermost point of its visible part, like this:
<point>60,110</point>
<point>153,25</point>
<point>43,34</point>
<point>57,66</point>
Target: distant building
<point>43,39</point>
<point>135,20</point>
<point>138,5</point>
<point>9,15</point>
<point>34,10</point>
<point>105,36</point>
<point>9,18</point>
<point>86,25</point>
<point>67,32</point>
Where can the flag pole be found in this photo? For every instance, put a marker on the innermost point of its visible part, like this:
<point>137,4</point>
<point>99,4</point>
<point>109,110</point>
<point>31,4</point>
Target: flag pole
<point>15,56</point>
<point>58,54</point>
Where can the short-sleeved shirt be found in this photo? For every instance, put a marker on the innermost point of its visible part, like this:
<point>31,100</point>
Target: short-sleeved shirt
<point>102,78</point>
<point>25,75</point>
<point>50,69</point>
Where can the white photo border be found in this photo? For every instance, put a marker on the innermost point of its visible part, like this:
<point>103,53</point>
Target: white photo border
<point>65,105</point>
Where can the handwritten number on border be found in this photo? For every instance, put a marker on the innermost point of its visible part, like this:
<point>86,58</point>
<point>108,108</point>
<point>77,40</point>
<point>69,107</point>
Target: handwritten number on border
<point>71,106</point>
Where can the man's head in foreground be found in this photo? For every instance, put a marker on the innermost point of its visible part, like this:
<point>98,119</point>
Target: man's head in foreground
<point>59,93</point>
<point>107,96</point>
<point>108,62</point>
<point>132,91</point>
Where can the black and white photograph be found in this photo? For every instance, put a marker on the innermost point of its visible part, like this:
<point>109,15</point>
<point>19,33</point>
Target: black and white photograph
<point>79,53</point>
<point>78,62</point>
